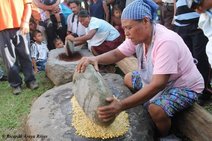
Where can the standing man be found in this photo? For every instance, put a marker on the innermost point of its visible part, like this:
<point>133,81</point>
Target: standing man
<point>14,42</point>
<point>167,13</point>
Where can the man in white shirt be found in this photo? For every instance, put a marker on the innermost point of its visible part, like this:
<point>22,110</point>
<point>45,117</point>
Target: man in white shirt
<point>100,35</point>
<point>74,27</point>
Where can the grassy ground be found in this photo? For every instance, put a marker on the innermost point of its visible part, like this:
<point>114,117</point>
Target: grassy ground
<point>14,109</point>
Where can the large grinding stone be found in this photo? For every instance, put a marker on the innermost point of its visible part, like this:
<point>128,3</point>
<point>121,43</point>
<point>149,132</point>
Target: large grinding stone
<point>61,71</point>
<point>51,117</point>
<point>91,90</point>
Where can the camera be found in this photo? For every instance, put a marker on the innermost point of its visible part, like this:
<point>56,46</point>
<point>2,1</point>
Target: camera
<point>193,4</point>
<point>74,34</point>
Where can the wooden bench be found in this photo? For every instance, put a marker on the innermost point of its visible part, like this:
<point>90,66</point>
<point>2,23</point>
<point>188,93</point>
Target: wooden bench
<point>195,123</point>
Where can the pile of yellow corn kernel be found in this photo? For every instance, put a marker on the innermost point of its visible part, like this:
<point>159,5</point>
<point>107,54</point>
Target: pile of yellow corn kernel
<point>85,127</point>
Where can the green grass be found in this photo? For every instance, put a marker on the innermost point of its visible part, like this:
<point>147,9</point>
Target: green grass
<point>14,109</point>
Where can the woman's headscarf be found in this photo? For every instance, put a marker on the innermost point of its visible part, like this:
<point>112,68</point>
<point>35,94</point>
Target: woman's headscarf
<point>139,9</point>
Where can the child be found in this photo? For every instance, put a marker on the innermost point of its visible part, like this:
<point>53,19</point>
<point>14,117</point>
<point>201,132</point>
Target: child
<point>58,43</point>
<point>116,20</point>
<point>39,51</point>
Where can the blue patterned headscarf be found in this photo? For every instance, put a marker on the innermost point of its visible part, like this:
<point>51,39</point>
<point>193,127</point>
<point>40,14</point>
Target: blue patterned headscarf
<point>139,9</point>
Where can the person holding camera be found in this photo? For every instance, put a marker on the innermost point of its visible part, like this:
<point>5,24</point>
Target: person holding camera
<point>74,27</point>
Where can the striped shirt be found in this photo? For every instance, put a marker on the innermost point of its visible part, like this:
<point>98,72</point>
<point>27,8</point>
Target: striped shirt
<point>184,16</point>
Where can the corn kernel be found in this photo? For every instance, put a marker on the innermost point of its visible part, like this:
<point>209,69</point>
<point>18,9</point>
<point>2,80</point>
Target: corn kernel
<point>85,127</point>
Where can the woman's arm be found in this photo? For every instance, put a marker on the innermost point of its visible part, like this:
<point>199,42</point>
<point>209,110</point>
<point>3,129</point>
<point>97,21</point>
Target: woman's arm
<point>110,57</point>
<point>157,84</point>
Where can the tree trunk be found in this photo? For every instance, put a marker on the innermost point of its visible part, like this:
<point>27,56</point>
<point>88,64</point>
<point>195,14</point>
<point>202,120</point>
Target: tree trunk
<point>128,64</point>
<point>195,123</point>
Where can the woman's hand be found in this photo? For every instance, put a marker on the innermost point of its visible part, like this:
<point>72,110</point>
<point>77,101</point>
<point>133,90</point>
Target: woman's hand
<point>85,61</point>
<point>107,113</point>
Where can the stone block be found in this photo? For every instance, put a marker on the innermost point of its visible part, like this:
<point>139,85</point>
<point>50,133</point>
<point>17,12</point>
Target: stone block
<point>61,71</point>
<point>91,90</point>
